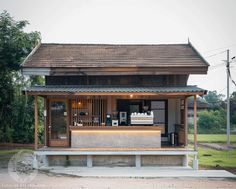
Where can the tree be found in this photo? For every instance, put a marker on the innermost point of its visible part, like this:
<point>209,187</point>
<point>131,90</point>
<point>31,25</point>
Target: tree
<point>213,121</point>
<point>233,109</point>
<point>214,100</point>
<point>15,109</point>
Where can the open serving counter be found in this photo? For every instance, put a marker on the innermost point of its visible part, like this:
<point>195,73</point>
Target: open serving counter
<point>115,137</point>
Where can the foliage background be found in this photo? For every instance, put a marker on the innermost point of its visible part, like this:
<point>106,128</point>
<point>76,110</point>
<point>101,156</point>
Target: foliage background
<point>16,110</point>
<point>212,120</point>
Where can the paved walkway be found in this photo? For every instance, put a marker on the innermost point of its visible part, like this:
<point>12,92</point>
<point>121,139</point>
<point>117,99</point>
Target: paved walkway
<point>143,172</point>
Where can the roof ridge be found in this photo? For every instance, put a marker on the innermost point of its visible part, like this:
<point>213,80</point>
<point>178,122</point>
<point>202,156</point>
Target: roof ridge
<point>118,44</point>
<point>121,86</point>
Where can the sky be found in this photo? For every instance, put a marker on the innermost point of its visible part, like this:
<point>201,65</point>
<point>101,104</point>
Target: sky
<point>210,26</point>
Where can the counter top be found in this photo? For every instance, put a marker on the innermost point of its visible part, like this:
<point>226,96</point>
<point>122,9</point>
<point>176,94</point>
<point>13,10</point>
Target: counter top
<point>114,128</point>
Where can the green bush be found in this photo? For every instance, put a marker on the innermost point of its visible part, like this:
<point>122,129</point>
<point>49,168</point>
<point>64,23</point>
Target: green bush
<point>16,110</point>
<point>213,121</point>
<point>190,128</point>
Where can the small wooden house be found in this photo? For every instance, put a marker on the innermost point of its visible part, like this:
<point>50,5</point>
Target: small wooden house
<point>115,105</point>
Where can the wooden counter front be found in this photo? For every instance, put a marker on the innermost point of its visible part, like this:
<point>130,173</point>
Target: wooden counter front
<point>115,137</point>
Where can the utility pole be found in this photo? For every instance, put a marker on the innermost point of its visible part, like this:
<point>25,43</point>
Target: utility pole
<point>228,102</point>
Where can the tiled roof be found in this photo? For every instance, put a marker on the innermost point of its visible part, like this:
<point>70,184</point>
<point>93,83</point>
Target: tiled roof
<point>113,89</point>
<point>112,56</point>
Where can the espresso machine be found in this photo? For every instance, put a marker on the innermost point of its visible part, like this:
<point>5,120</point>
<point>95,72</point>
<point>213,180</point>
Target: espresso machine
<point>123,118</point>
<point>115,121</point>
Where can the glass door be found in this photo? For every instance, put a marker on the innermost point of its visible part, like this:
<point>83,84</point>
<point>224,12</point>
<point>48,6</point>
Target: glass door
<point>58,125</point>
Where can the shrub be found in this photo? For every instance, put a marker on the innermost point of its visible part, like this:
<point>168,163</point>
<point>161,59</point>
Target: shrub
<point>213,121</point>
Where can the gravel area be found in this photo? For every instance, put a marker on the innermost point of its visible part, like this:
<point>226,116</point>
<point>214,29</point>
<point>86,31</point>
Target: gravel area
<point>46,180</point>
<point>217,146</point>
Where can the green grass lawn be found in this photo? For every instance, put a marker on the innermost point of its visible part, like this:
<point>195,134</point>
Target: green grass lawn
<point>216,158</point>
<point>212,138</point>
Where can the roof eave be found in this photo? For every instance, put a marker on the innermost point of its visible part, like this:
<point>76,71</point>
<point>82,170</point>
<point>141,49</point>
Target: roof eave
<point>31,53</point>
<point>71,71</point>
<point>198,53</point>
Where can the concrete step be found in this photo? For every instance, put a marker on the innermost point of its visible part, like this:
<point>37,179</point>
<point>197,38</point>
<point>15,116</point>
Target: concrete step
<point>142,172</point>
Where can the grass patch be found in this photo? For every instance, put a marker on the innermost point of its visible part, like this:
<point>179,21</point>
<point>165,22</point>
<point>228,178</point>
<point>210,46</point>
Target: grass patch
<point>212,138</point>
<point>5,156</point>
<point>13,151</point>
<point>216,158</point>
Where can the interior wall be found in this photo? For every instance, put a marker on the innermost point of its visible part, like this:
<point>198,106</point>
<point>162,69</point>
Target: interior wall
<point>173,115</point>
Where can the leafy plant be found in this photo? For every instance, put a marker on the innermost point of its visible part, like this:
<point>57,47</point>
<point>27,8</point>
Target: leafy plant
<point>16,110</point>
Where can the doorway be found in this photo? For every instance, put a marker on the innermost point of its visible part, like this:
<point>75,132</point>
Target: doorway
<point>58,123</point>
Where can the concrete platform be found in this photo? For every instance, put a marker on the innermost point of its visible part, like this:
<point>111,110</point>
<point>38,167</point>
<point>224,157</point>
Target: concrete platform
<point>143,172</point>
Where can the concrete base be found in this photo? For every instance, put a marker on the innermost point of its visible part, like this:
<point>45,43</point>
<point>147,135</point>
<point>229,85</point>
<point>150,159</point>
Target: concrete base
<point>142,172</point>
<point>112,160</point>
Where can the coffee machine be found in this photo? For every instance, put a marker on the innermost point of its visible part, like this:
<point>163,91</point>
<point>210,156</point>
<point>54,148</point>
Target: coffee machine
<point>123,118</point>
<point>115,121</point>
<point>108,120</point>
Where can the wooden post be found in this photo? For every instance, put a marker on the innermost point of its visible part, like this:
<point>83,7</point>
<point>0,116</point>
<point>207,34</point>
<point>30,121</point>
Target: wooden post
<point>109,108</point>
<point>186,121</point>
<point>45,120</point>
<point>195,122</point>
<point>36,122</point>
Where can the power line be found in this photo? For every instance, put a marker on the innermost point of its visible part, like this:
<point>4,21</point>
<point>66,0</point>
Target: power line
<point>222,90</point>
<point>221,52</point>
<point>212,67</point>
<point>216,66</point>
<point>225,47</point>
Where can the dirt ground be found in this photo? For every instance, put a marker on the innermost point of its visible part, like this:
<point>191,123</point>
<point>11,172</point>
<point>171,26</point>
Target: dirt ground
<point>44,180</point>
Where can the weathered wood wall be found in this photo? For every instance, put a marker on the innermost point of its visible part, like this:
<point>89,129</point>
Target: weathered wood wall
<point>141,80</point>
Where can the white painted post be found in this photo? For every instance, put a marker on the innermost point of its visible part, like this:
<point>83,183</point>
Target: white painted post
<point>195,160</point>
<point>35,162</point>
<point>195,163</point>
<point>89,161</point>
<point>185,160</point>
<point>36,122</point>
<point>137,161</point>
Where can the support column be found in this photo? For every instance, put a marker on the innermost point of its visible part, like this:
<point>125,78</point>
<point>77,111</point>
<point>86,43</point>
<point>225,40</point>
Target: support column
<point>113,103</point>
<point>195,122</point>
<point>35,122</point>
<point>195,159</point>
<point>109,104</point>
<point>89,161</point>
<point>186,121</point>
<point>185,160</point>
<point>195,162</point>
<point>137,161</point>
<point>35,162</point>
<point>45,135</point>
